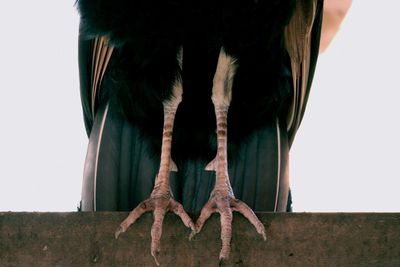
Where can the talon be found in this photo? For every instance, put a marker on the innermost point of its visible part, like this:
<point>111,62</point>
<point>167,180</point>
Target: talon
<point>119,231</point>
<point>193,233</point>
<point>155,258</point>
<point>222,259</point>
<point>225,206</point>
<point>159,208</point>
<point>261,230</point>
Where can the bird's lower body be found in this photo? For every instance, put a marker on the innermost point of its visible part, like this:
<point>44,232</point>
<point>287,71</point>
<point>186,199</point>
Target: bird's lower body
<point>121,178</point>
<point>222,198</point>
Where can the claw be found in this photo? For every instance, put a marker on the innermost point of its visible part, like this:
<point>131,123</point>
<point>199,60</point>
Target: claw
<point>155,257</point>
<point>246,211</point>
<point>194,232</point>
<point>133,216</point>
<point>119,231</point>
<point>160,203</point>
<point>226,232</point>
<point>225,206</point>
<point>178,209</point>
<point>156,230</point>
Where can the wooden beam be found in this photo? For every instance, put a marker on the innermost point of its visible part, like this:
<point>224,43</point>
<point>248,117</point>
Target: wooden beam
<point>294,239</point>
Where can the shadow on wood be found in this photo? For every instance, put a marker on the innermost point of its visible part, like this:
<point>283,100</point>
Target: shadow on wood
<point>297,239</point>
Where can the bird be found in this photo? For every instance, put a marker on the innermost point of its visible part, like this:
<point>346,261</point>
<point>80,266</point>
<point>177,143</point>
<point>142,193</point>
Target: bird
<point>192,106</point>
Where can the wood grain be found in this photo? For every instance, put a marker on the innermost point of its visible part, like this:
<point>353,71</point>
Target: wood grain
<point>297,239</point>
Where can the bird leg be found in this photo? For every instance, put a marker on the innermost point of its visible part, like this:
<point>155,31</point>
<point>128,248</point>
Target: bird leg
<point>222,199</point>
<point>161,199</point>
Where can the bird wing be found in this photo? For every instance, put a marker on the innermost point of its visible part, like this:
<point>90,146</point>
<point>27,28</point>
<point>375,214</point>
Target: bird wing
<point>94,56</point>
<point>302,36</point>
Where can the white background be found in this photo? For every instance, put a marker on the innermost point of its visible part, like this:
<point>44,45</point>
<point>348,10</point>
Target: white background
<point>345,156</point>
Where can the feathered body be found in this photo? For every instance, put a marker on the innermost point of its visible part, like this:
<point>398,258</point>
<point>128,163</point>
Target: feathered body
<point>147,35</point>
<point>150,33</point>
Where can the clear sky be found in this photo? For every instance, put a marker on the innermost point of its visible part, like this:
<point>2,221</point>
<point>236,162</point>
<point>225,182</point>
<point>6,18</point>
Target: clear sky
<point>345,156</point>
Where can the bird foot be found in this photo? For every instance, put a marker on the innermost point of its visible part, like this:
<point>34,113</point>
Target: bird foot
<point>160,202</point>
<point>224,202</point>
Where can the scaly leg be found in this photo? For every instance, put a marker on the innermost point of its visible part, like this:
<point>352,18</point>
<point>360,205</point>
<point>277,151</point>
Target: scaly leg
<point>222,199</point>
<point>161,199</point>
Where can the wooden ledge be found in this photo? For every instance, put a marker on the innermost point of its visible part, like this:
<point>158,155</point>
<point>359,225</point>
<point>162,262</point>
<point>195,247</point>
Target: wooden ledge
<point>296,239</point>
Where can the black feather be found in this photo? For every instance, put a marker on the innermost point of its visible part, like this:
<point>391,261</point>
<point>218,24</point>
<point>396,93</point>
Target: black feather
<point>148,35</point>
